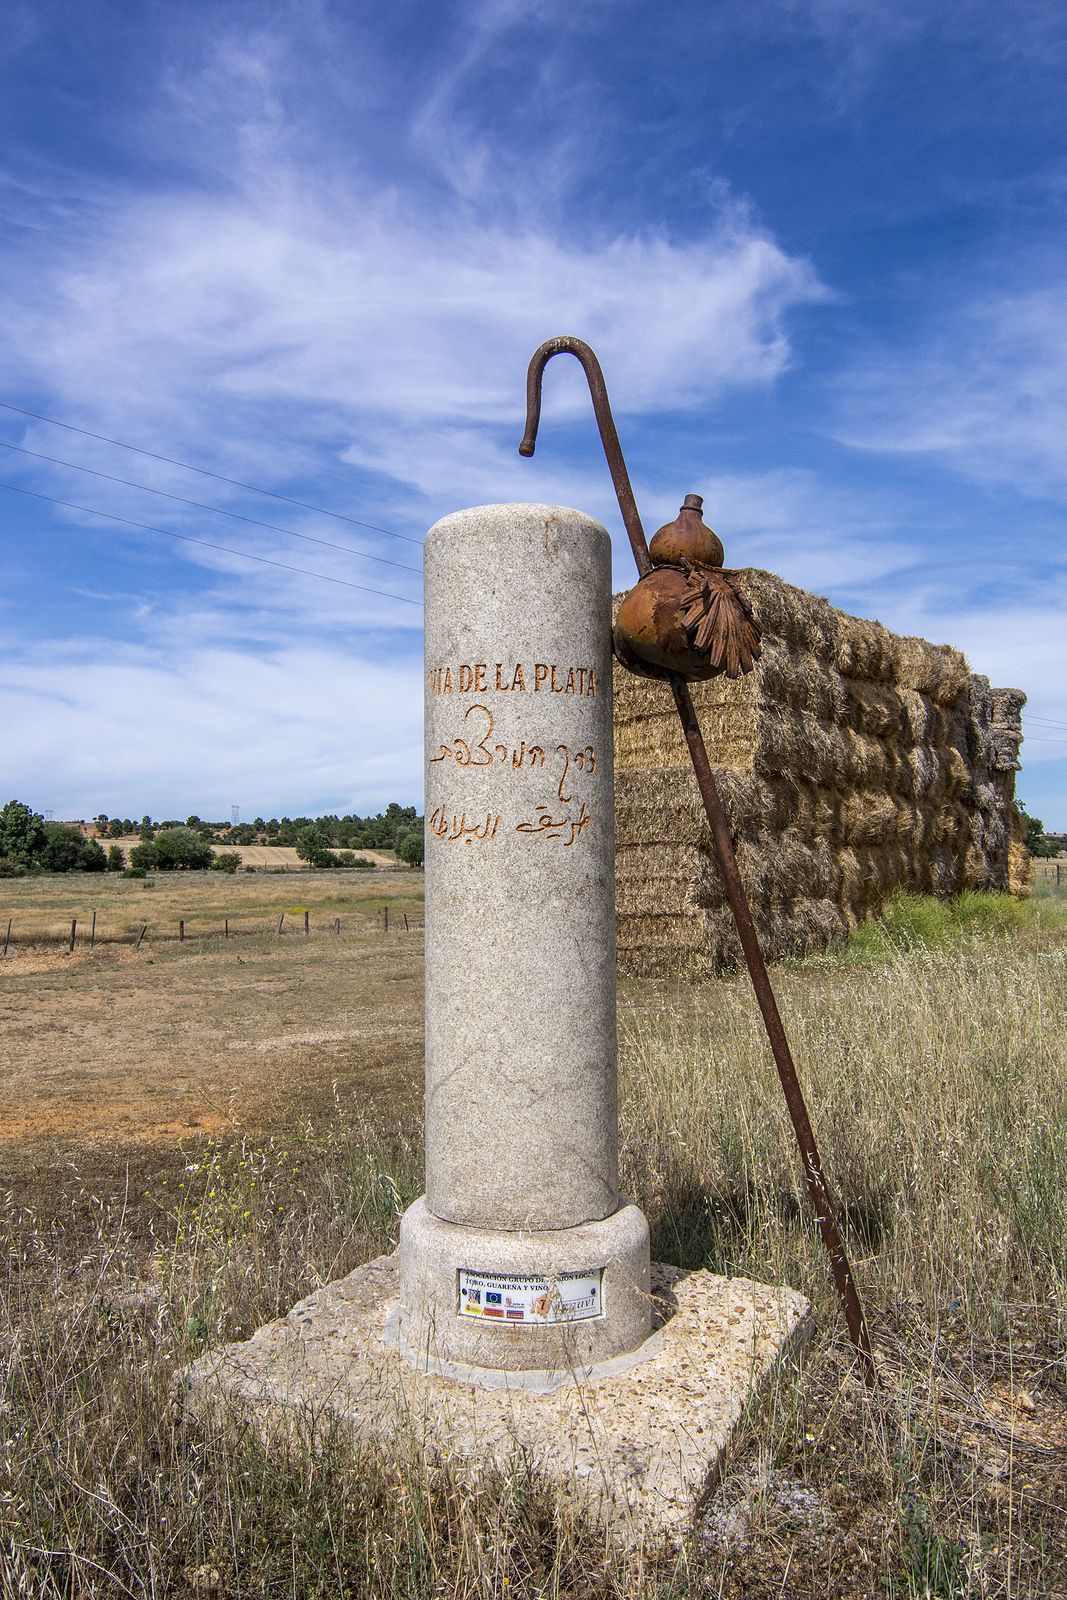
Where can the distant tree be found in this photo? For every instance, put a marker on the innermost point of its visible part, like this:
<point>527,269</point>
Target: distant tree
<point>93,858</point>
<point>313,846</point>
<point>180,849</point>
<point>226,861</point>
<point>411,847</point>
<point>286,832</point>
<point>63,847</point>
<point>142,858</point>
<point>116,860</point>
<point>1034,838</point>
<point>146,829</point>
<point>345,858</point>
<point>115,828</point>
<point>102,820</point>
<point>68,850</point>
<point>22,836</point>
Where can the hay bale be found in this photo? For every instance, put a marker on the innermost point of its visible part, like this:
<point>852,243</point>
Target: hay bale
<point>919,716</point>
<point>1020,868</point>
<point>867,816</point>
<point>936,670</point>
<point>850,761</point>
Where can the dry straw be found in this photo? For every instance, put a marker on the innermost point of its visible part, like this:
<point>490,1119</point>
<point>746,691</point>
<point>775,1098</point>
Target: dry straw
<point>851,761</point>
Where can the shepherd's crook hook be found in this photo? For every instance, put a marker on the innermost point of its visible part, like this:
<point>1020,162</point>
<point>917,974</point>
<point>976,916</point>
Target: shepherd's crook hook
<point>818,1189</point>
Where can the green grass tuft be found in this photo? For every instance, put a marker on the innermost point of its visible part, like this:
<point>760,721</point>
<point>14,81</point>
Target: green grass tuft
<point>922,922</point>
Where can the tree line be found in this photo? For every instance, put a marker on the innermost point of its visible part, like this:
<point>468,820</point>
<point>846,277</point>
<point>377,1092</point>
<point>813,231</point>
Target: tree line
<point>30,844</point>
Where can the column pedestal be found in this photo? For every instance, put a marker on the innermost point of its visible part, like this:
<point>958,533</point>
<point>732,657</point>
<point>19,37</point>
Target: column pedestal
<point>466,1293</point>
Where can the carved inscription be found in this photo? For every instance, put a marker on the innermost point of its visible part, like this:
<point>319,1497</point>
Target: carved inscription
<point>547,826</point>
<point>538,677</point>
<point>457,830</point>
<point>476,744</point>
<point>479,749</point>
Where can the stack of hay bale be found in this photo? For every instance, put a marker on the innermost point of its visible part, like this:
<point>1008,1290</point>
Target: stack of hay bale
<point>851,762</point>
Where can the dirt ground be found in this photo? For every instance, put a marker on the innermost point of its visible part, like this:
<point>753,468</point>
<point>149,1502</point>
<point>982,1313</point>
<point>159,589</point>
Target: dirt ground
<point>114,1058</point>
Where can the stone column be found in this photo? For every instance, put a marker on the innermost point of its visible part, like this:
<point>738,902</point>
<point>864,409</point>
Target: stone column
<point>522,1254</point>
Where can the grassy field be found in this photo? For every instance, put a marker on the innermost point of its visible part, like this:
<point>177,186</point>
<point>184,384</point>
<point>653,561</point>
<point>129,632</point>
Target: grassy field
<point>41,909</point>
<point>932,1049</point>
<point>114,1055</point>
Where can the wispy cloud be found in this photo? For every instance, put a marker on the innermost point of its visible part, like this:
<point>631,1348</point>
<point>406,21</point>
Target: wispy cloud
<point>300,322</point>
<point>985,389</point>
<point>289,730</point>
<point>185,309</point>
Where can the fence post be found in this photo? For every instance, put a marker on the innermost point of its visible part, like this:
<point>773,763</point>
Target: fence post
<point>385,919</point>
<point>92,934</point>
<point>227,927</point>
<point>181,930</point>
<point>73,932</point>
<point>281,919</point>
<point>336,924</point>
<point>307,917</point>
<point>7,935</point>
<point>140,936</point>
<point>405,922</point>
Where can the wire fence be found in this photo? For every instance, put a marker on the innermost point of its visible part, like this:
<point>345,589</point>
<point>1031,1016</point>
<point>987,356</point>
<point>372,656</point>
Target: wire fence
<point>1052,873</point>
<point>89,933</point>
<point>37,934</point>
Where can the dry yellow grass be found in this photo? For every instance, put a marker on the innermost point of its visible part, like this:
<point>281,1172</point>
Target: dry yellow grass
<point>937,1083</point>
<point>117,1052</point>
<point>41,908</point>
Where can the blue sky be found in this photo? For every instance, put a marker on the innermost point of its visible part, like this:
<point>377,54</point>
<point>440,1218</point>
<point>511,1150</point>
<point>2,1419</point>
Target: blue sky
<point>818,245</point>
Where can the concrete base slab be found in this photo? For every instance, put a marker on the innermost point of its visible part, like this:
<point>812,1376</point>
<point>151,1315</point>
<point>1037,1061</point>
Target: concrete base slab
<point>636,1447</point>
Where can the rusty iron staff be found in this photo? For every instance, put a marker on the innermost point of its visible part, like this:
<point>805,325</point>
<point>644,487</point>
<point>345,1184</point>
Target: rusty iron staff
<point>818,1188</point>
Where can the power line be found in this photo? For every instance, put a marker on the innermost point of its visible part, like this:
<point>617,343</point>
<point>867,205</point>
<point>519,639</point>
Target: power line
<point>1046,722</point>
<point>200,506</point>
<point>186,538</point>
<point>237,483</point>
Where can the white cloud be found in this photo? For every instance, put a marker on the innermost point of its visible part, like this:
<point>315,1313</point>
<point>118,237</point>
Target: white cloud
<point>341,305</point>
<point>987,391</point>
<point>282,303</point>
<point>301,324</point>
<point>808,530</point>
<point>130,729</point>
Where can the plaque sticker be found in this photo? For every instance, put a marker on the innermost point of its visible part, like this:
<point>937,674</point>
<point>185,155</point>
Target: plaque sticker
<point>499,1297</point>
